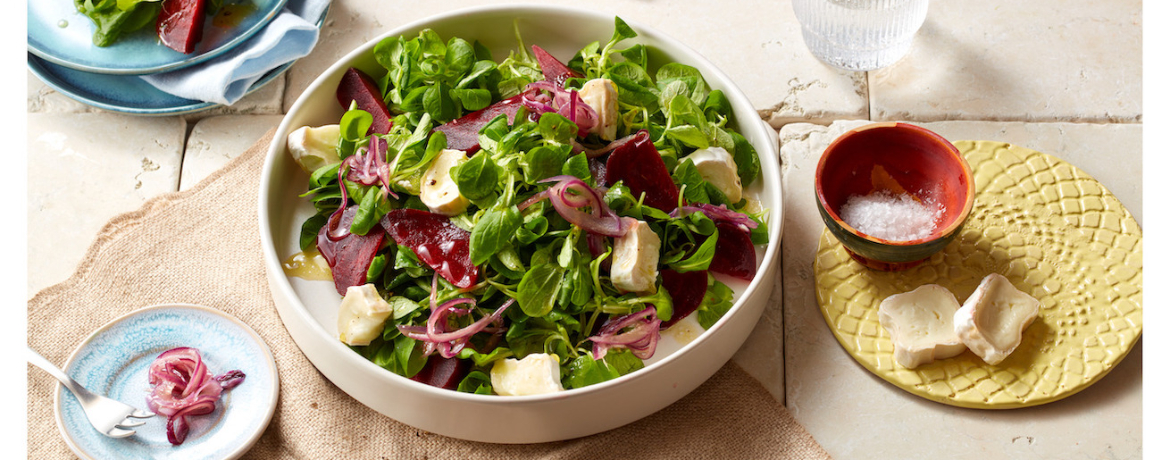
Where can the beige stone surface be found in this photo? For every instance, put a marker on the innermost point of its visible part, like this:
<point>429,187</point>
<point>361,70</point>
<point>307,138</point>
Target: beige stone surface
<point>84,169</point>
<point>1041,60</point>
<point>825,385</point>
<point>42,98</point>
<point>216,140</point>
<point>768,61</point>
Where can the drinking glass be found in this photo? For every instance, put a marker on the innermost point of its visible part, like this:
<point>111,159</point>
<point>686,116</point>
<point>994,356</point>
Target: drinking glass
<point>859,35</point>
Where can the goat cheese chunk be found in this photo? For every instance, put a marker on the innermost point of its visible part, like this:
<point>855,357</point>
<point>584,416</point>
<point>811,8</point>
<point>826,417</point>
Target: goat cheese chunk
<point>601,95</point>
<point>438,190</point>
<point>313,148</point>
<point>635,258</point>
<point>716,165</point>
<point>362,315</point>
<point>921,325</point>
<point>537,373</point>
<point>992,321</point>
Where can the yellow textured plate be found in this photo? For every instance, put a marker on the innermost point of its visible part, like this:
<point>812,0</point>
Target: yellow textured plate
<point>1052,230</point>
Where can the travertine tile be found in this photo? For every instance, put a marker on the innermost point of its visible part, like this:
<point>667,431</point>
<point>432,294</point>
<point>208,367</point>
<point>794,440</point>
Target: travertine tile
<point>1043,60</point>
<point>216,140</point>
<point>768,62</point>
<point>825,384</point>
<point>44,99</point>
<point>76,184</point>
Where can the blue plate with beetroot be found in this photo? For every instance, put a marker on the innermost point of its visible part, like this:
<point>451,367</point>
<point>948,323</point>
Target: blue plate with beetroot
<point>61,35</point>
<point>115,359</point>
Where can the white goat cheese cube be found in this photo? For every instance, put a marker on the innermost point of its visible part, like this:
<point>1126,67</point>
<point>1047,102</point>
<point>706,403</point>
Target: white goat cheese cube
<point>635,258</point>
<point>601,95</point>
<point>992,321</point>
<point>717,166</point>
<point>313,148</point>
<point>921,325</point>
<point>537,373</point>
<point>438,190</point>
<point>362,315</point>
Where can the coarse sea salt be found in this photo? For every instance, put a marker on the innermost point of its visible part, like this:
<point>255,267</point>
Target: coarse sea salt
<point>895,217</point>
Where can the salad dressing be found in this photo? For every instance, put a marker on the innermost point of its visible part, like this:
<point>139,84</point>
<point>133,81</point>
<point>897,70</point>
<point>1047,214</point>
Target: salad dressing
<point>309,265</point>
<point>232,14</point>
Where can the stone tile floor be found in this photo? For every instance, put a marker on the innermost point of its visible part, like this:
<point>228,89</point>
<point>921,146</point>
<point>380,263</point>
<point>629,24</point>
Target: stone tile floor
<point>1061,77</point>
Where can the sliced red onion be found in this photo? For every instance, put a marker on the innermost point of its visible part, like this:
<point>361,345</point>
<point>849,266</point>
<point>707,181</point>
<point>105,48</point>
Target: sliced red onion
<point>570,194</point>
<point>567,103</point>
<point>594,153</point>
<point>183,386</point>
<point>538,197</point>
<point>367,167</point>
<point>718,213</point>
<point>640,336</point>
<point>435,335</point>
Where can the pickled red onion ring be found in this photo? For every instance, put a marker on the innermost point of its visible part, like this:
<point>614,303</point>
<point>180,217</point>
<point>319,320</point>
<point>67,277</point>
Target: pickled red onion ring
<point>719,213</point>
<point>570,194</point>
<point>641,337</point>
<point>183,386</point>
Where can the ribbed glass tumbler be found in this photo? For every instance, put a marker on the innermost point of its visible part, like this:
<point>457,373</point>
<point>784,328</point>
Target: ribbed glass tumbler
<point>859,35</point>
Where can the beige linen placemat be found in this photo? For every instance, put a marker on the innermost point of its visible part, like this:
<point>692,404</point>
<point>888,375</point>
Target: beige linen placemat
<point>202,246</point>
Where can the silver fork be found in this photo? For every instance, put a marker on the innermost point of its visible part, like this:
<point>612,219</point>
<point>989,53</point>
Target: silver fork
<point>107,415</point>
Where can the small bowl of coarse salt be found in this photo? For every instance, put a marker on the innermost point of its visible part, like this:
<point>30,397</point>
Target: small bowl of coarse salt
<point>893,193</point>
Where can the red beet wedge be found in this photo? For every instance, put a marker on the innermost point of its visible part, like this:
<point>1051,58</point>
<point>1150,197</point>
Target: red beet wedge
<point>180,24</point>
<point>639,166</point>
<point>686,292</point>
<point>438,243</point>
<point>553,69</point>
<point>463,132</point>
<point>349,257</point>
<point>356,86</point>
<point>443,372</point>
<point>734,253</point>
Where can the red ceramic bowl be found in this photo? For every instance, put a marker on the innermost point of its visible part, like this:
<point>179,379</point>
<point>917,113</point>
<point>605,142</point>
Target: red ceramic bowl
<point>899,158</point>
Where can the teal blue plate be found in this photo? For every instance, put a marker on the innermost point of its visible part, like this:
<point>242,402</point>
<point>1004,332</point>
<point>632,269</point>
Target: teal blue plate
<point>130,94</point>
<point>58,34</point>
<point>124,93</point>
<point>114,361</point>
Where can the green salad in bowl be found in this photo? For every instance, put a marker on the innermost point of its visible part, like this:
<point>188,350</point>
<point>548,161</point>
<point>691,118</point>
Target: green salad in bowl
<point>474,212</point>
<point>521,216</point>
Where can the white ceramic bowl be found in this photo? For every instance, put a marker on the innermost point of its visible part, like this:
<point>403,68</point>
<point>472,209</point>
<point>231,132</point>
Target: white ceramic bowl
<point>309,308</point>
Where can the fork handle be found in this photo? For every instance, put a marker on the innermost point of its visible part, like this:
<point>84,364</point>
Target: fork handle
<point>37,360</point>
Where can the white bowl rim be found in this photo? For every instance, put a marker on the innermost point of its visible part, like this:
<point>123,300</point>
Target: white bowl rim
<point>766,153</point>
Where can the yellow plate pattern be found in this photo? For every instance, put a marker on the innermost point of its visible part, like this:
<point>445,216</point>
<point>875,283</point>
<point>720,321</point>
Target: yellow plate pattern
<point>1052,230</point>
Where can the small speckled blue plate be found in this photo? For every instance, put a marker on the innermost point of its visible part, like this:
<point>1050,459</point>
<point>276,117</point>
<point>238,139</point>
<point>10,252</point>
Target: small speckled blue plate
<point>114,359</point>
<point>63,36</point>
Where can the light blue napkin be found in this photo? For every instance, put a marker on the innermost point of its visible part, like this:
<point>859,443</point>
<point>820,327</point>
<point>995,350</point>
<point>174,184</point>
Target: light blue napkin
<point>226,78</point>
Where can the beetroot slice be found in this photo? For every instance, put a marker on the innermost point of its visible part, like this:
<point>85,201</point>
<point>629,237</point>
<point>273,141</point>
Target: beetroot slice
<point>443,372</point>
<point>553,69</point>
<point>349,257</point>
<point>356,86</point>
<point>463,132</point>
<point>734,253</point>
<point>438,243</point>
<point>180,24</point>
<point>639,166</point>
<point>686,292</point>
